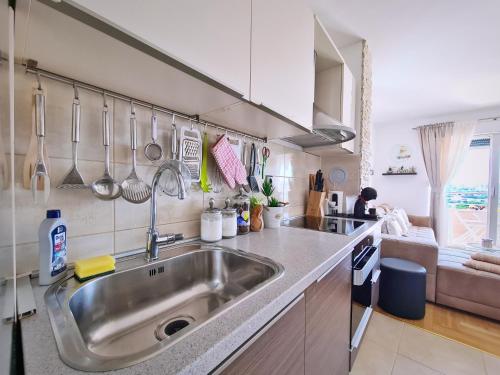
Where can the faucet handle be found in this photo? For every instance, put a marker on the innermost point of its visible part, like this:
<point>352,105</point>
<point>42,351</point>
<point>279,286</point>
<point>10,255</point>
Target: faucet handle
<point>169,238</point>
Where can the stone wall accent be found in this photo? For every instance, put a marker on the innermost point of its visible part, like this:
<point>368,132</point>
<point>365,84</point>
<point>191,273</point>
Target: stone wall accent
<point>366,167</point>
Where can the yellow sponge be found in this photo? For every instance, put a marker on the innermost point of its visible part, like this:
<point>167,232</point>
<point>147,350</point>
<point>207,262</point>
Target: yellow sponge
<point>86,269</point>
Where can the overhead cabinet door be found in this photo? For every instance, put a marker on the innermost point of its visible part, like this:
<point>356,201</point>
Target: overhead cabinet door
<point>282,67</point>
<point>212,37</point>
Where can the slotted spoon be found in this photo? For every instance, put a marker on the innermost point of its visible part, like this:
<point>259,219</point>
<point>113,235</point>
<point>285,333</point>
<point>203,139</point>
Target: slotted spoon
<point>74,179</point>
<point>134,190</point>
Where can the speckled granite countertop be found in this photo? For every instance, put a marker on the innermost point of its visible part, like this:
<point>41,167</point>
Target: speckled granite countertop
<point>305,255</point>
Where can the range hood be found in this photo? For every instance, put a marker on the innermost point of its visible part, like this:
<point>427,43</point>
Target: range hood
<point>325,132</point>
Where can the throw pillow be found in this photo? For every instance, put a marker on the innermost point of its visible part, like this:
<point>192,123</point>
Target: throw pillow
<point>393,227</point>
<point>399,218</point>
<point>403,213</point>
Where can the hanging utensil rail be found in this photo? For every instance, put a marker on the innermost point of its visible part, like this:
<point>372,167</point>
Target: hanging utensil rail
<point>31,67</point>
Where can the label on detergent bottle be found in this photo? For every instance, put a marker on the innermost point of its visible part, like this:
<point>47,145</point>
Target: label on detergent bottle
<point>58,261</point>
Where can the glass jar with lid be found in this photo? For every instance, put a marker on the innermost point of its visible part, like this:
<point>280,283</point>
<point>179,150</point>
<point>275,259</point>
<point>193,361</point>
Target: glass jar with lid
<point>211,223</point>
<point>229,221</point>
<point>241,203</point>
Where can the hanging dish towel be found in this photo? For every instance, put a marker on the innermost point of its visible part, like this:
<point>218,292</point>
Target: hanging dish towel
<point>228,163</point>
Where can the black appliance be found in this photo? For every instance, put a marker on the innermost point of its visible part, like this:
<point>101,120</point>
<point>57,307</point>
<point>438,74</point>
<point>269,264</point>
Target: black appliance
<point>336,225</point>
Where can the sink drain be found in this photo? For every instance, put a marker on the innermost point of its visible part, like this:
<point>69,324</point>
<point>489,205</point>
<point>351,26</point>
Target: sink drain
<point>175,326</point>
<point>172,326</point>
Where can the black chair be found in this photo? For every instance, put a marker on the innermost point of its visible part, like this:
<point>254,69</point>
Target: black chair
<point>402,288</point>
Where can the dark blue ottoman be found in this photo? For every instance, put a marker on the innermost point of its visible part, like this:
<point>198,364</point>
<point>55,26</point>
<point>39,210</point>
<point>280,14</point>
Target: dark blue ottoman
<point>402,288</point>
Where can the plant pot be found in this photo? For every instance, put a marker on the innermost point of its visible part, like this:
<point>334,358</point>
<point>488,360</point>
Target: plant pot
<point>272,217</point>
<point>256,221</point>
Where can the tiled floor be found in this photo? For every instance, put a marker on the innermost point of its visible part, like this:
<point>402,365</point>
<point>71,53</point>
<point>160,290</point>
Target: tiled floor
<point>394,347</point>
<point>469,329</point>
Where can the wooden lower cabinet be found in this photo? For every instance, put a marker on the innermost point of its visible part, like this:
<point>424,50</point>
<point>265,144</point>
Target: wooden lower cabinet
<point>311,336</point>
<point>328,319</point>
<point>279,350</point>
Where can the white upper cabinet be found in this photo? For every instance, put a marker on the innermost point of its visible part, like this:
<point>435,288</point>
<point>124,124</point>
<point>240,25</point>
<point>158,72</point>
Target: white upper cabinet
<point>335,86</point>
<point>348,97</point>
<point>212,37</point>
<point>282,58</point>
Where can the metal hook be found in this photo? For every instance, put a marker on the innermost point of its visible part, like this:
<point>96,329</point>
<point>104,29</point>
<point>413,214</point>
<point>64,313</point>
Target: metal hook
<point>104,99</point>
<point>153,112</point>
<point>76,91</point>
<point>132,109</point>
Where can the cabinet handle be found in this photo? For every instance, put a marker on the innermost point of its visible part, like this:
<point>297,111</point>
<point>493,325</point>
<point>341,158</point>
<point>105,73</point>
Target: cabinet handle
<point>256,336</point>
<point>325,274</point>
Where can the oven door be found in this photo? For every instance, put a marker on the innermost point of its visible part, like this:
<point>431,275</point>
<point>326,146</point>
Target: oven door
<point>365,277</point>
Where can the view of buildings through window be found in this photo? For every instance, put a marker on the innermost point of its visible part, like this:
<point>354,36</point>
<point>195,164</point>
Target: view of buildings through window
<point>467,197</point>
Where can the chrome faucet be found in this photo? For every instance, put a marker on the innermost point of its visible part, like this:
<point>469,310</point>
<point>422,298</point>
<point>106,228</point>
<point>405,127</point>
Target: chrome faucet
<point>154,239</point>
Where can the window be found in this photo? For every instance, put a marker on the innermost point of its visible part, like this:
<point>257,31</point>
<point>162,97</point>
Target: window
<point>471,195</point>
<point>467,196</point>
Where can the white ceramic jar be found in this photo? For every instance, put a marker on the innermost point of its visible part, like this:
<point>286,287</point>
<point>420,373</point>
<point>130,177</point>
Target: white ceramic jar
<point>229,221</point>
<point>211,223</point>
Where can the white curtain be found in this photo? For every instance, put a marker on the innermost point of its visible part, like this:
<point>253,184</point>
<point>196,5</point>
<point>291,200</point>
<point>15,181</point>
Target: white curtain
<point>444,146</point>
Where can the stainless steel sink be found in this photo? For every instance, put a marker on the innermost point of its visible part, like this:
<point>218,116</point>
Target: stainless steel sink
<point>127,317</point>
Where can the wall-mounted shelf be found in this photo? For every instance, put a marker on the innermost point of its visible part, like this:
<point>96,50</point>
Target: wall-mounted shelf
<point>399,174</point>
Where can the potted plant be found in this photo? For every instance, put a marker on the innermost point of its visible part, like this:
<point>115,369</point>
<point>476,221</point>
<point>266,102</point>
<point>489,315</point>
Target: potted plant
<point>256,208</point>
<point>273,212</point>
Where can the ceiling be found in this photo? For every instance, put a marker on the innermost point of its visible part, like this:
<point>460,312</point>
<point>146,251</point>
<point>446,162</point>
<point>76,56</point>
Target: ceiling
<point>429,57</point>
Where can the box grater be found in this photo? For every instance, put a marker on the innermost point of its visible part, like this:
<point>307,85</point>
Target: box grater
<point>191,151</point>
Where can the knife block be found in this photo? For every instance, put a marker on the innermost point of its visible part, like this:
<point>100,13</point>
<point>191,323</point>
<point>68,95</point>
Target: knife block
<point>315,205</point>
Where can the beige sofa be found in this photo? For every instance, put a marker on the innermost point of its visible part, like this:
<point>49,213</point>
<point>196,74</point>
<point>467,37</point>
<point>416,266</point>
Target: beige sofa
<point>449,282</point>
<point>418,246</point>
<point>465,288</point>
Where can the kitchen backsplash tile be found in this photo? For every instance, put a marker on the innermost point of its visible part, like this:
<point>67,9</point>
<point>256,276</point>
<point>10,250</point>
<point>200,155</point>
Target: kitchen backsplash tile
<point>58,112</point>
<point>98,227</point>
<point>132,239</point>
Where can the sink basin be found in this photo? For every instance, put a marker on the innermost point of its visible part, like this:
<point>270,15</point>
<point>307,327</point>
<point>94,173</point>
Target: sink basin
<point>127,317</point>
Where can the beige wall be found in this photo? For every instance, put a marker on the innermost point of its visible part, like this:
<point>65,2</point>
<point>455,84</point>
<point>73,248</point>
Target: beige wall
<point>98,227</point>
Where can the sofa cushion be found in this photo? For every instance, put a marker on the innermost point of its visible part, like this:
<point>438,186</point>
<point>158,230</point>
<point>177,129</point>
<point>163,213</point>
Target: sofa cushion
<point>421,233</point>
<point>456,280</point>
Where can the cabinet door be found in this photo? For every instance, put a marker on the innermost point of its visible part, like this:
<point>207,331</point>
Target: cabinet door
<point>282,68</point>
<point>348,103</point>
<point>348,97</point>
<point>328,320</point>
<point>279,350</point>
<point>212,37</point>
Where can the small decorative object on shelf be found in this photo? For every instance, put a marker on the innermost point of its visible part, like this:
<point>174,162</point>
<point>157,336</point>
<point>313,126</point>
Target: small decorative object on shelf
<point>256,220</point>
<point>400,171</point>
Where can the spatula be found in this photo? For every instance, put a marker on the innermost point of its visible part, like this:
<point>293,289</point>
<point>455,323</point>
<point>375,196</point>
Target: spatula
<point>204,182</point>
<point>252,180</point>
<point>73,179</point>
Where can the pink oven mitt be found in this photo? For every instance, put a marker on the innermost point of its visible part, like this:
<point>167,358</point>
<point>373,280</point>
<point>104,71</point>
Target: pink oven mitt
<point>228,163</point>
